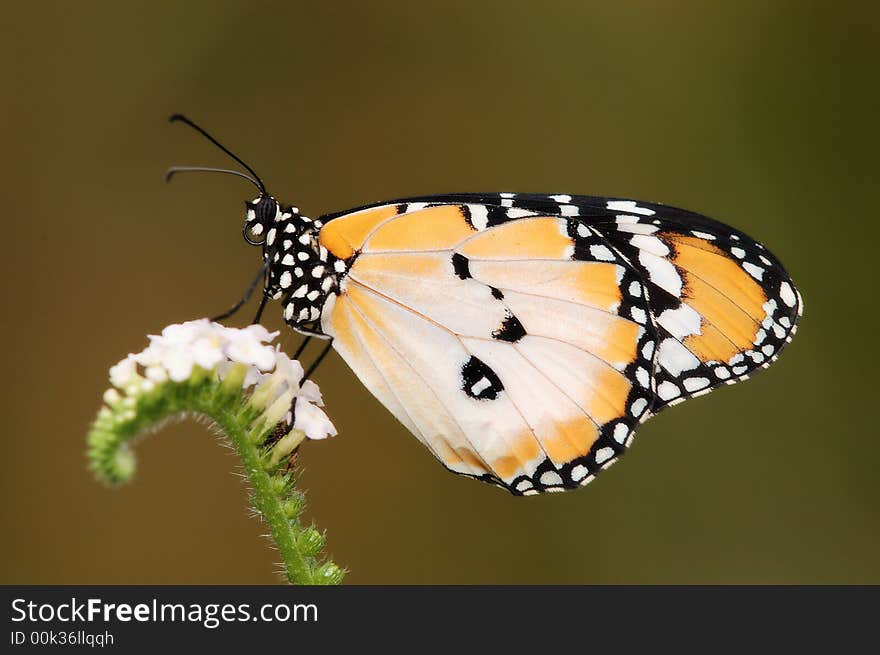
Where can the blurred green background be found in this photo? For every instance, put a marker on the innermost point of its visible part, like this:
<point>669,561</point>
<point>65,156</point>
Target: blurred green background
<point>761,114</point>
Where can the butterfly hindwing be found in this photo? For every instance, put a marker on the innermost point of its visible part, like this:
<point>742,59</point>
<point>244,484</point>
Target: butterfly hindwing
<point>518,352</point>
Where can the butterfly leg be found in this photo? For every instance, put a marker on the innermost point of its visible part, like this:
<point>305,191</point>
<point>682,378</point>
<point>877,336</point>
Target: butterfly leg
<point>260,309</point>
<point>318,361</point>
<point>301,348</point>
<point>247,295</point>
<point>309,372</point>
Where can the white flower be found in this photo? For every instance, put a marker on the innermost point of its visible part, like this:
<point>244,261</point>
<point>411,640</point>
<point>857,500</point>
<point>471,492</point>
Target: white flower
<point>178,361</point>
<point>289,368</point>
<point>311,392</point>
<point>124,373</point>
<point>156,374</point>
<point>246,346</point>
<point>274,377</point>
<point>312,420</point>
<point>207,351</point>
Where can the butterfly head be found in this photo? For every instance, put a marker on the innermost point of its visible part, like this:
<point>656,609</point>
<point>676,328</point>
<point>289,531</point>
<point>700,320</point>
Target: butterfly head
<point>300,272</point>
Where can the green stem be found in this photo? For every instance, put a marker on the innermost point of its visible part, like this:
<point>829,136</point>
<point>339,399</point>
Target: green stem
<point>273,493</point>
<point>266,501</point>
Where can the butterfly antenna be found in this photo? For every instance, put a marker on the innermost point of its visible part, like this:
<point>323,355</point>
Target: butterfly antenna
<point>183,119</point>
<point>174,170</point>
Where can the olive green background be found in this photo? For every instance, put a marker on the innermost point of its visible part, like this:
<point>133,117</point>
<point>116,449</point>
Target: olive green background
<point>760,114</point>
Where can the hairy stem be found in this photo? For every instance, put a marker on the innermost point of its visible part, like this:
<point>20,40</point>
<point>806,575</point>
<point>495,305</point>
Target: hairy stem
<point>274,495</point>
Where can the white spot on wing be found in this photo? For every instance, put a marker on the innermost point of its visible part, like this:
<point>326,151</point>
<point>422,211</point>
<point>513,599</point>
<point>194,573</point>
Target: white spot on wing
<point>755,271</point>
<point>602,253</point>
<point>667,391</point>
<point>480,386</point>
<point>787,294</point>
<point>675,358</point>
<point>681,322</point>
<point>630,207</point>
<point>523,485</point>
<point>662,273</point>
<point>579,472</point>
<point>638,406</point>
<point>695,384</point>
<point>550,478</point>
<point>479,216</point>
<point>519,212</point>
<point>635,228</point>
<point>604,454</point>
<point>650,244</point>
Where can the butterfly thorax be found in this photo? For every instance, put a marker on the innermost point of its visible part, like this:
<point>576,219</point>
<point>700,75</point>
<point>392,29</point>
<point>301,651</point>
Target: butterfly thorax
<point>301,273</point>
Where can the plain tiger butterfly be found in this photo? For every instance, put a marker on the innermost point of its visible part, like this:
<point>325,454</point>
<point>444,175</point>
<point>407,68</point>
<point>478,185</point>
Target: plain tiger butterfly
<point>522,338</point>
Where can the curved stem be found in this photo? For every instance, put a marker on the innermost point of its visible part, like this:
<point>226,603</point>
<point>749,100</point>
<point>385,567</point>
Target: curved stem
<point>274,495</point>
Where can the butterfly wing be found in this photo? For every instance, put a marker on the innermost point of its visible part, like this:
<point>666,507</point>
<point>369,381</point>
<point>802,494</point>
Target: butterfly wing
<point>518,353</point>
<point>522,338</point>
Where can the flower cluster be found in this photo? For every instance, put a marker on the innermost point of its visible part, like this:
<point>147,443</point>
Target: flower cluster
<point>236,356</point>
<point>253,394</point>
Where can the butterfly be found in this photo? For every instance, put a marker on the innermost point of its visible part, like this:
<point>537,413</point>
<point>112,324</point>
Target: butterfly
<point>522,338</point>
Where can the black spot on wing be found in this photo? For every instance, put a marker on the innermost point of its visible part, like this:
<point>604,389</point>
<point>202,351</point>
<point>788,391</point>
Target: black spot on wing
<point>496,215</point>
<point>496,293</point>
<point>479,381</point>
<point>460,266</point>
<point>511,329</point>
